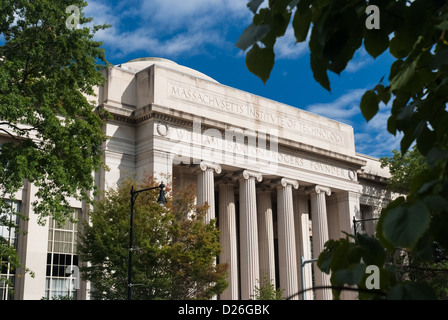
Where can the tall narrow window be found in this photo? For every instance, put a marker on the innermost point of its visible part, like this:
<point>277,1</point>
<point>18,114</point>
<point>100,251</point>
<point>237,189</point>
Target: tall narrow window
<point>8,237</point>
<point>62,280</point>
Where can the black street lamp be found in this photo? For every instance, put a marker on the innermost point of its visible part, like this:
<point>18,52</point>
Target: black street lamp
<point>361,220</point>
<point>161,201</point>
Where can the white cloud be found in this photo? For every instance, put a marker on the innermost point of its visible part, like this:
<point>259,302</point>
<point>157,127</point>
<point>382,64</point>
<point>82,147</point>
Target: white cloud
<point>343,109</point>
<point>168,28</point>
<point>181,13</point>
<point>287,47</point>
<point>177,27</point>
<point>360,59</point>
<point>372,138</point>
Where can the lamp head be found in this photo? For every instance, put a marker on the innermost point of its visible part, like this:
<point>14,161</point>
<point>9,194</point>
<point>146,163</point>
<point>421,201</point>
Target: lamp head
<point>162,200</point>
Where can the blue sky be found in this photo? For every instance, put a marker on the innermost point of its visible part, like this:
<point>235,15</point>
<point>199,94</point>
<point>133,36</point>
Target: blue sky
<point>201,34</point>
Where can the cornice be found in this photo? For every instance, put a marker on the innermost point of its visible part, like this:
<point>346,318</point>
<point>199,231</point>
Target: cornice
<point>185,120</point>
<point>372,178</point>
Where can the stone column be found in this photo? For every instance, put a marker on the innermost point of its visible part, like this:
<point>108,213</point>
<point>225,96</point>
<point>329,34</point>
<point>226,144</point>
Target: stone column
<point>320,236</point>
<point>206,187</point>
<point>266,236</point>
<point>250,269</point>
<point>287,238</point>
<point>227,226</point>
<point>303,245</point>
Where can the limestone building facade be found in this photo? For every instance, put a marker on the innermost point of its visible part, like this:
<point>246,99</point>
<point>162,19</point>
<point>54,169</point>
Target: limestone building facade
<point>280,181</point>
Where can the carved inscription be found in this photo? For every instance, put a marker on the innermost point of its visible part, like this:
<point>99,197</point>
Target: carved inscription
<point>302,127</point>
<point>240,149</point>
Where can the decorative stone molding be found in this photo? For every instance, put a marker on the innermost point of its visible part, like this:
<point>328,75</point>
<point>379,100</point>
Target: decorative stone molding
<point>285,182</point>
<point>319,189</point>
<point>162,129</point>
<point>247,174</point>
<point>205,165</point>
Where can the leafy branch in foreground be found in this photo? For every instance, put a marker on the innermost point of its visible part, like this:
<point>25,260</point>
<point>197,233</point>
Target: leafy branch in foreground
<point>416,35</point>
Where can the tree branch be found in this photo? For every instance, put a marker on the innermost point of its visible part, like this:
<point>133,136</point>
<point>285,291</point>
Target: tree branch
<point>10,134</point>
<point>16,127</point>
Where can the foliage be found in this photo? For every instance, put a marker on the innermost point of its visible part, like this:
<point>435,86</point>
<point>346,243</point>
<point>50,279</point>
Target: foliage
<point>53,134</point>
<point>348,261</point>
<point>415,33</point>
<point>403,168</point>
<point>267,291</point>
<point>175,249</point>
<point>434,273</point>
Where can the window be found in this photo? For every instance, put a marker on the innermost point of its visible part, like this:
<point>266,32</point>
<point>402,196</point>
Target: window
<point>62,261</point>
<point>8,236</point>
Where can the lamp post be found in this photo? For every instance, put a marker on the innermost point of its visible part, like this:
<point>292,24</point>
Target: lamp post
<point>161,201</point>
<point>361,220</point>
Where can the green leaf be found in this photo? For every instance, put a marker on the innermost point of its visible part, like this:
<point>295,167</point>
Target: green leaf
<point>406,112</point>
<point>301,24</point>
<point>436,202</point>
<point>260,61</point>
<point>401,44</point>
<point>404,226</point>
<point>392,125</point>
<point>383,93</point>
<point>411,291</point>
<point>443,25</point>
<point>254,4</point>
<point>406,142</point>
<point>376,42</point>
<point>373,251</point>
<point>403,77</point>
<point>439,59</point>
<point>351,276</point>
<point>251,35</point>
<point>318,66</point>
<point>278,24</point>
<point>369,104</point>
<point>435,155</point>
<point>425,139</point>
<point>325,257</point>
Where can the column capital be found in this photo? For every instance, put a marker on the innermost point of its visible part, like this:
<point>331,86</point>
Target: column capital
<point>247,174</point>
<point>205,165</point>
<point>284,182</point>
<point>319,189</point>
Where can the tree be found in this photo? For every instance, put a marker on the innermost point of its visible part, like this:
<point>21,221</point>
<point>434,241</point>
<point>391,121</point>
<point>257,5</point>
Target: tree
<point>415,33</point>
<point>175,248</point>
<point>267,291</point>
<point>50,133</point>
<point>403,168</point>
